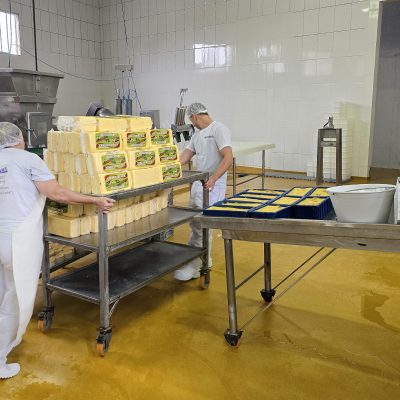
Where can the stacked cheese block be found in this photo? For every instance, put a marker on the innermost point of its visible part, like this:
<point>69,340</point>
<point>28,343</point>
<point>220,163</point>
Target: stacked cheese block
<point>106,155</point>
<point>59,253</point>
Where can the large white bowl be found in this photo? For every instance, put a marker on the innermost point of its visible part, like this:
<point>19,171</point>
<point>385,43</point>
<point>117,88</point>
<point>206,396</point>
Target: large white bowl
<point>370,203</point>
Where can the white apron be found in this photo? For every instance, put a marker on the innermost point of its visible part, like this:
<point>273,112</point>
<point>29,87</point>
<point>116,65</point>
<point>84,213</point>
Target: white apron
<point>27,254</point>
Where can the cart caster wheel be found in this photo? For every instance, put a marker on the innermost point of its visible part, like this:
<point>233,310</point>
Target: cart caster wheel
<point>103,342</point>
<point>233,338</point>
<point>204,281</point>
<point>267,295</point>
<point>46,319</point>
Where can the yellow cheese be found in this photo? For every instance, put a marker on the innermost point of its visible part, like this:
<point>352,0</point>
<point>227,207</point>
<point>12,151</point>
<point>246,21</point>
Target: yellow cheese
<point>66,210</point>
<point>120,217</point>
<point>146,158</point>
<point>260,196</point>
<point>159,203</point>
<point>123,203</point>
<point>286,200</point>
<point>139,123</point>
<point>266,191</point>
<point>85,225</point>
<point>320,192</point>
<point>153,206</point>
<point>64,226</point>
<point>168,154</point>
<point>69,162</point>
<point>89,209</point>
<point>161,137</point>
<point>92,142</point>
<point>145,208</point>
<point>80,164</point>
<point>105,162</point>
<point>164,196</point>
<point>111,182</point>
<point>311,201</point>
<point>52,140</point>
<point>75,183</point>
<point>223,208</point>
<point>129,214</point>
<point>106,124</point>
<point>134,140</point>
<point>137,211</point>
<point>58,141</point>
<point>86,183</point>
<point>240,204</point>
<point>65,135</point>
<point>246,200</point>
<point>64,179</point>
<point>270,209</point>
<point>171,171</point>
<point>94,223</point>
<point>58,162</point>
<point>146,177</point>
<point>111,219</point>
<point>74,142</point>
<point>48,158</point>
<point>299,192</point>
<point>74,123</point>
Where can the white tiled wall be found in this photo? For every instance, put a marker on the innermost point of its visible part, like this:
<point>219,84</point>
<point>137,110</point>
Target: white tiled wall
<point>68,38</point>
<point>270,69</point>
<point>386,132</point>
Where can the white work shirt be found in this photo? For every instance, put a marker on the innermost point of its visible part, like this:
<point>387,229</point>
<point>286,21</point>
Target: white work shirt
<point>19,169</point>
<point>206,144</point>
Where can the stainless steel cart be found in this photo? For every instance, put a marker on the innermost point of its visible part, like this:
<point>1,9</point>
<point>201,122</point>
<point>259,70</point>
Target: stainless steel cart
<point>112,278</point>
<point>330,234</point>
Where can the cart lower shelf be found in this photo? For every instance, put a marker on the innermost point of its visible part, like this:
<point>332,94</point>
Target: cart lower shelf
<point>128,271</point>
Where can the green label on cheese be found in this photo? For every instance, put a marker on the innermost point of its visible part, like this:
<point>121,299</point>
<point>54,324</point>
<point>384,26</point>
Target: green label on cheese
<point>107,140</point>
<point>145,158</point>
<point>117,181</point>
<point>171,172</point>
<point>113,162</point>
<point>168,154</point>
<point>160,137</point>
<point>136,139</point>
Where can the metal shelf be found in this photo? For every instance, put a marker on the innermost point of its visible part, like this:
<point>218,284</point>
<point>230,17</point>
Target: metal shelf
<point>128,271</point>
<point>131,233</point>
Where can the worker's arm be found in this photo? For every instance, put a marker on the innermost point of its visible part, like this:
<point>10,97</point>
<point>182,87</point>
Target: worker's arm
<point>186,156</point>
<point>227,160</point>
<point>54,191</point>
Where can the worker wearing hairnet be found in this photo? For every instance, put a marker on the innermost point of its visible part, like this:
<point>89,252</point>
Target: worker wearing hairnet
<point>211,145</point>
<point>25,182</point>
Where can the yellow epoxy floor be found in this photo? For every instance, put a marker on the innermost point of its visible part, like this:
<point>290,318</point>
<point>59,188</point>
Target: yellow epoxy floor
<point>336,335</point>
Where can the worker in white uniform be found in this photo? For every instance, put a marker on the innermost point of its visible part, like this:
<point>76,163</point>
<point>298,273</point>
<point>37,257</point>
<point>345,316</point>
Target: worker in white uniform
<point>211,144</point>
<point>25,182</point>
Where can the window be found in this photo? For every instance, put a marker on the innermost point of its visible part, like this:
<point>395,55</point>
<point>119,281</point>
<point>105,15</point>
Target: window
<point>9,33</point>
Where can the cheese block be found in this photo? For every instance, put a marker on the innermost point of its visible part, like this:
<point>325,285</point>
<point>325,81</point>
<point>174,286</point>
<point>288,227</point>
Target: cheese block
<point>100,163</point>
<point>74,123</point>
<point>64,179</point>
<point>67,210</point>
<point>69,162</point>
<point>58,162</point>
<point>85,225</point>
<point>299,192</point>
<point>164,202</point>
<point>80,164</point>
<point>111,219</point>
<point>159,203</point>
<point>240,204</point>
<point>86,183</point>
<point>311,201</point>
<point>265,191</point>
<point>223,208</point>
<point>94,223</point>
<point>74,142</point>
<point>89,209</point>
<point>48,158</point>
<point>168,154</point>
<point>142,158</point>
<point>75,182</point>
<point>137,211</point>
<point>153,206</point>
<point>92,142</point>
<point>320,192</point>
<point>145,208</point>
<point>120,217</point>
<point>134,140</point>
<point>145,177</point>
<point>161,137</point>
<point>65,138</point>
<point>246,200</point>
<point>129,214</point>
<point>64,226</point>
<point>269,209</point>
<point>115,124</point>
<point>286,201</point>
<point>138,123</point>
<point>111,182</point>
<point>52,140</point>
<point>171,171</point>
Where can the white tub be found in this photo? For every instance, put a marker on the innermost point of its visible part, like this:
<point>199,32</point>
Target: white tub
<point>370,203</point>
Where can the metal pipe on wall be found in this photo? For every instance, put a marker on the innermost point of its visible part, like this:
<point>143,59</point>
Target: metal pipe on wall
<point>34,33</point>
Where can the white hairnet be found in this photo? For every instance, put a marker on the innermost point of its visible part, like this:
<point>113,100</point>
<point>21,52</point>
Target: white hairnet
<point>196,108</point>
<point>9,134</point>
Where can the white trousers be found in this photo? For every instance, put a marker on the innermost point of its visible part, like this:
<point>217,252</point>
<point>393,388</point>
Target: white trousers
<point>9,309</point>
<point>196,201</point>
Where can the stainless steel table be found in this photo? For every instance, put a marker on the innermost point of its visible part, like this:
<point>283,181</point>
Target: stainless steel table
<point>330,234</point>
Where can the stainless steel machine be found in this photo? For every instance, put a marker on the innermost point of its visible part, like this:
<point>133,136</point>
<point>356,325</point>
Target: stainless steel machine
<point>27,99</point>
<point>179,127</point>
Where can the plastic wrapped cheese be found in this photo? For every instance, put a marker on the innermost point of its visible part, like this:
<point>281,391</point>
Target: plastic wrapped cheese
<point>168,154</point>
<point>142,158</point>
<point>134,140</point>
<point>111,182</point>
<point>161,137</point>
<point>145,177</point>
<point>171,171</point>
<point>64,226</point>
<point>92,142</point>
<point>100,163</point>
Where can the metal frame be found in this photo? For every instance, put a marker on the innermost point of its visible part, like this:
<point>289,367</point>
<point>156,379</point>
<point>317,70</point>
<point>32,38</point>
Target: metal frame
<point>377,237</point>
<point>106,242</point>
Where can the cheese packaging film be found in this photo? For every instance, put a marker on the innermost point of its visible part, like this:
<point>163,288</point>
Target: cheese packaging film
<point>171,171</point>
<point>142,158</point>
<point>136,140</point>
<point>64,226</point>
<point>145,177</point>
<point>100,163</point>
<point>168,154</point>
<point>101,141</point>
<point>161,137</point>
<point>111,182</point>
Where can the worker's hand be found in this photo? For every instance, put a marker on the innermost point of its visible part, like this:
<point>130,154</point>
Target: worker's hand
<point>104,204</point>
<point>210,183</point>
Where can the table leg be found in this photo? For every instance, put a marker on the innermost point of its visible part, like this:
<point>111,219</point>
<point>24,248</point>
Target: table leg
<point>234,175</point>
<point>263,170</point>
<point>232,335</point>
<point>205,267</point>
<point>267,293</point>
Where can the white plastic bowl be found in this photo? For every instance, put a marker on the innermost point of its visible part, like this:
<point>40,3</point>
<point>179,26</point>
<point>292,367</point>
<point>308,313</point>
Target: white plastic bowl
<point>370,203</point>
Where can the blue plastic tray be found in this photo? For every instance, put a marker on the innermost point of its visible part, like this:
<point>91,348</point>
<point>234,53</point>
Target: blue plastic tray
<point>313,212</point>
